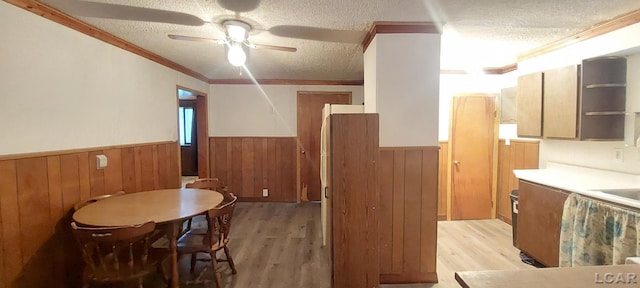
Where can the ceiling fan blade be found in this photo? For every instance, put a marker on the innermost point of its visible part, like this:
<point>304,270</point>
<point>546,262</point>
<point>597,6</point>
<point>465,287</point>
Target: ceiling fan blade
<point>198,39</point>
<point>271,47</point>
<point>124,12</point>
<point>318,34</point>
<point>239,5</point>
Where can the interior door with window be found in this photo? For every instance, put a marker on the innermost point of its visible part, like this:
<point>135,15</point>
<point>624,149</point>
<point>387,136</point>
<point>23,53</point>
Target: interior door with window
<point>188,137</point>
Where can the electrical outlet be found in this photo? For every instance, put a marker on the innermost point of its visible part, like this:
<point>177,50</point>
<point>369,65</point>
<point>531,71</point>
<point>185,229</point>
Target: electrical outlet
<point>265,192</point>
<point>101,162</point>
<point>618,155</point>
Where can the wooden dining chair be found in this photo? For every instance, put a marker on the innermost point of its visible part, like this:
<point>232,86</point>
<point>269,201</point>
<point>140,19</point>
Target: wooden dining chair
<point>118,254</point>
<point>216,238</point>
<point>210,184</point>
<point>95,199</point>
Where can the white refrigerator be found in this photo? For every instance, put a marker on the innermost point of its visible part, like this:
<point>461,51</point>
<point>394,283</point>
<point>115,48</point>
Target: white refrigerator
<point>324,132</point>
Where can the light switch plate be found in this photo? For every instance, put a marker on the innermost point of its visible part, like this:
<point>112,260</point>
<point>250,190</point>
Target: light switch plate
<point>265,192</point>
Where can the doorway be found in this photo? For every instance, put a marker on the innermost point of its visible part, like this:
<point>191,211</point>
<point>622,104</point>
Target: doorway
<point>310,106</point>
<point>193,134</point>
<point>188,137</point>
<point>473,151</point>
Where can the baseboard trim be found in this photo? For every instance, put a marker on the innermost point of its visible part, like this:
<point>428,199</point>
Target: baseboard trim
<point>504,219</point>
<point>406,278</point>
<point>265,199</point>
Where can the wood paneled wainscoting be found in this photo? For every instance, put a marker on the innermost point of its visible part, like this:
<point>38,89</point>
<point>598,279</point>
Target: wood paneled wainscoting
<point>520,154</point>
<point>250,164</point>
<point>37,194</point>
<point>443,179</point>
<point>408,214</point>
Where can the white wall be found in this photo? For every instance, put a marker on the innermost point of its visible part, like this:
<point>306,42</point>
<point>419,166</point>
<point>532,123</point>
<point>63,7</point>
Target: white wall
<point>63,90</point>
<point>267,110</point>
<point>585,153</point>
<point>370,74</point>
<point>454,84</point>
<point>407,76</point>
<point>633,98</point>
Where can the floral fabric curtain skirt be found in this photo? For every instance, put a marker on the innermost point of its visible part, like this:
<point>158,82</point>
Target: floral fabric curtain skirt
<point>597,233</point>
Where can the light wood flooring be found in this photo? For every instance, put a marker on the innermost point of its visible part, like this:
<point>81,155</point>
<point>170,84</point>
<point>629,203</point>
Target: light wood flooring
<point>279,245</point>
<point>472,245</point>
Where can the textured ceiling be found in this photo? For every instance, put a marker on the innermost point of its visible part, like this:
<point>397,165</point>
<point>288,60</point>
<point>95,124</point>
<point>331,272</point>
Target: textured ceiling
<point>328,33</point>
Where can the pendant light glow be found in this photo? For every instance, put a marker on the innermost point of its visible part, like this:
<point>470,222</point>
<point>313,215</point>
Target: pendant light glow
<point>236,55</point>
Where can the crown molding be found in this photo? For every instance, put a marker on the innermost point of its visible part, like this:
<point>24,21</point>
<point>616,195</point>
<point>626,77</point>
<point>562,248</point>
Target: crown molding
<point>597,30</point>
<point>488,70</point>
<point>287,82</point>
<point>59,17</point>
<point>399,27</point>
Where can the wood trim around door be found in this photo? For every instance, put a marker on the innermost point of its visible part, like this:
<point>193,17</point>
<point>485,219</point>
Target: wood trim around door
<point>328,92</point>
<point>494,176</point>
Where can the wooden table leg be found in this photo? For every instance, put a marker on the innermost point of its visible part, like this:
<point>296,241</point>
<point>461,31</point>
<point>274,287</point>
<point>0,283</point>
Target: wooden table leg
<point>172,234</point>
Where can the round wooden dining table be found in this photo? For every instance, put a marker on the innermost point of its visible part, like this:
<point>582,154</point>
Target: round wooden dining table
<point>167,208</point>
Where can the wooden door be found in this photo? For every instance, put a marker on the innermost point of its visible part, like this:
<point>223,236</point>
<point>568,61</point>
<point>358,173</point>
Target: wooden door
<point>188,137</point>
<point>310,106</point>
<point>473,134</point>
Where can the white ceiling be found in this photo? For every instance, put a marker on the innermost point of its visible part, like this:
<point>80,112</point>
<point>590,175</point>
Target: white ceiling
<point>480,33</point>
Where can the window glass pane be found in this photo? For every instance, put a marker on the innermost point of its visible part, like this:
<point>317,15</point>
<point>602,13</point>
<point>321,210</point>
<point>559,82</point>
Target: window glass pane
<point>188,125</point>
<point>184,94</point>
<point>181,125</point>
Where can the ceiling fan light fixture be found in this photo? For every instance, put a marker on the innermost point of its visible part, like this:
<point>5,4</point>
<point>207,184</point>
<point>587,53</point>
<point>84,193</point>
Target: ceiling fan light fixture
<point>236,55</point>
<point>237,31</point>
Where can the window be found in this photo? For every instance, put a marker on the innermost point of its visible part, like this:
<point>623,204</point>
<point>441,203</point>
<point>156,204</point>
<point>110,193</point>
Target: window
<point>185,119</point>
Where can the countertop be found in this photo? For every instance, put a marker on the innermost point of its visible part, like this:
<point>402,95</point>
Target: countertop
<point>583,180</point>
<point>622,276</point>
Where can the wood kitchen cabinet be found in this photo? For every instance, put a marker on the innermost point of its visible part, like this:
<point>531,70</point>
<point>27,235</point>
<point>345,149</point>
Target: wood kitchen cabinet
<point>529,105</point>
<point>539,220</point>
<point>585,102</point>
<point>548,103</point>
<point>603,98</point>
<point>560,109</point>
<point>561,90</point>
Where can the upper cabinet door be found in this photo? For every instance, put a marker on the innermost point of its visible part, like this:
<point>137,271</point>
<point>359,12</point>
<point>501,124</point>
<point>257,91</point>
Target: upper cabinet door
<point>530,105</point>
<point>561,90</point>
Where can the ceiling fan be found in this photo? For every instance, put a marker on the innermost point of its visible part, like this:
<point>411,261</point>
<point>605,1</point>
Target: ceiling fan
<point>236,32</point>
